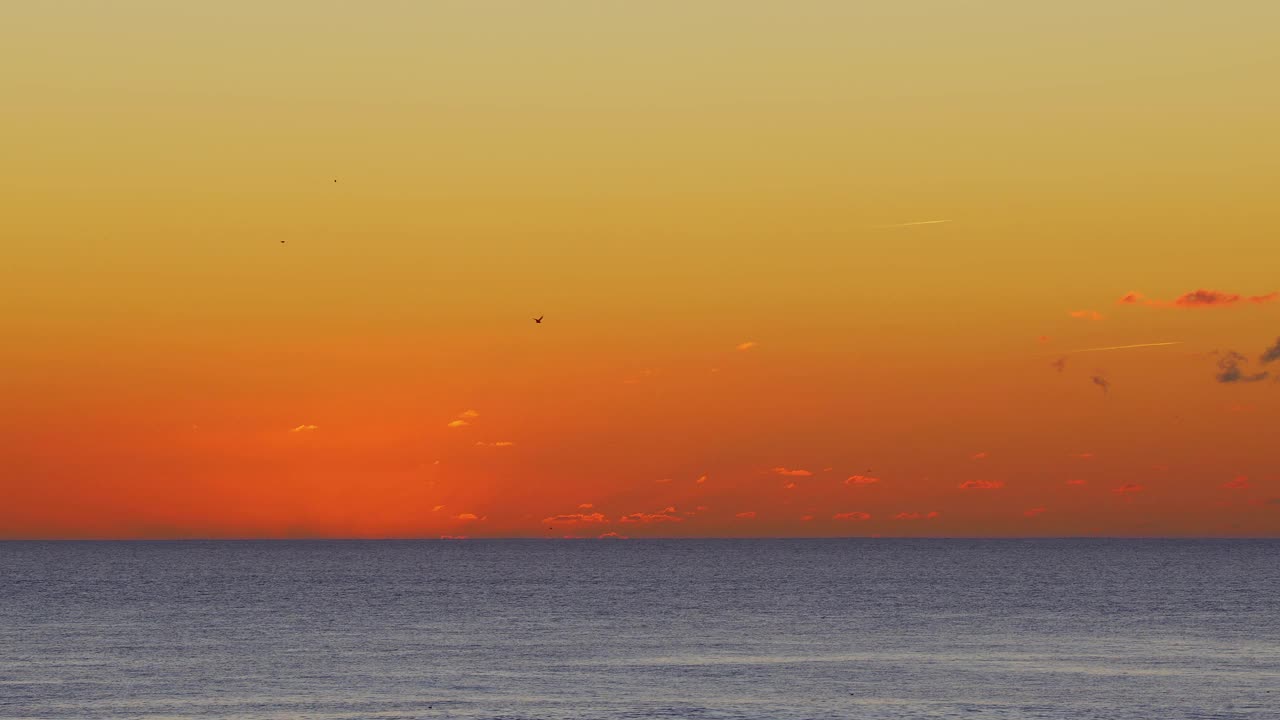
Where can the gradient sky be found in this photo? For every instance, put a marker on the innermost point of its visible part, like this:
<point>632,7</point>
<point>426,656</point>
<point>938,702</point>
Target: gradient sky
<point>720,207</point>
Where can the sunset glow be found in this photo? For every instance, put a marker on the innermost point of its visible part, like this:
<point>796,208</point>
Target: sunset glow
<point>823,272</point>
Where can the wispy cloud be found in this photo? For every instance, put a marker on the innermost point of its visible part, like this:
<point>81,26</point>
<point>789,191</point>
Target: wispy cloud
<point>748,515</point>
<point>789,486</point>
<point>702,479</point>
<point>861,480</point>
<point>576,518</point>
<point>1271,354</point>
<point>1239,482</point>
<point>498,444</point>
<point>792,473</point>
<point>585,506</point>
<point>458,423</point>
<point>1201,298</point>
<point>611,536</point>
<point>979,455</point>
<point>1077,483</point>
<point>1033,512</point>
<point>467,517</point>
<point>912,224</point>
<point>1229,370</point>
<point>469,414</point>
<point>743,347</point>
<point>981,485</point>
<point>856,516</point>
<point>305,428</point>
<point>666,515</point>
<point>917,515</point>
<point>1128,488</point>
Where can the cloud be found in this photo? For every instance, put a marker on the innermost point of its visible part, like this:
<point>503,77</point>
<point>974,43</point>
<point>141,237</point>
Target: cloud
<point>305,428</point>
<point>453,537</point>
<point>467,517</point>
<point>1085,455</point>
<point>458,423</point>
<point>1060,364</point>
<point>743,347</point>
<point>979,455</point>
<point>1200,298</point>
<point>1128,488</point>
<point>855,516</point>
<point>1239,482</point>
<point>585,506</point>
<point>1271,354</point>
<point>1042,339</point>
<point>576,518</point>
<point>611,536</point>
<point>806,518</point>
<point>861,480</point>
<point>1033,512</point>
<point>748,515</point>
<point>1229,370</point>
<point>917,515</point>
<point>437,508</point>
<point>469,414</point>
<point>1085,314</point>
<point>663,481</point>
<point>792,473</point>
<point>789,486</point>
<point>702,479</point>
<point>1077,482</point>
<point>666,515</point>
<point>1102,383</point>
<point>498,444</point>
<point>981,485</point>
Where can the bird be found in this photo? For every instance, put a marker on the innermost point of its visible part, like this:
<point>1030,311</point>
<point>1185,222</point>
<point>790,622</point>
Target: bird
<point>538,319</point>
<point>281,242</point>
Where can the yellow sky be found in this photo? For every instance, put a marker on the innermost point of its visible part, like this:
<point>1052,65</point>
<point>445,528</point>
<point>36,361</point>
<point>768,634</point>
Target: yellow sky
<point>664,181</point>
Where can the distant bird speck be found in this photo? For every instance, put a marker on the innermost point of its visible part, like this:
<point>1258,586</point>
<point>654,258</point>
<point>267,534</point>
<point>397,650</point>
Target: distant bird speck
<point>1102,383</point>
<point>538,319</point>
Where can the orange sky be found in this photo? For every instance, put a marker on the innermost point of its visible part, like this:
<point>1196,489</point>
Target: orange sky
<point>722,210</point>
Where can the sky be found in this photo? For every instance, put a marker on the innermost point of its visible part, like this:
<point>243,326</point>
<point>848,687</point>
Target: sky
<point>820,268</point>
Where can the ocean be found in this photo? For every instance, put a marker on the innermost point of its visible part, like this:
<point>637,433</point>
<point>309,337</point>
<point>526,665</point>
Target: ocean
<point>714,629</point>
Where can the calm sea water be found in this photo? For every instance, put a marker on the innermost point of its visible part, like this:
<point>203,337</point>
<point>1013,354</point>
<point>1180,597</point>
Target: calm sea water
<point>760,629</point>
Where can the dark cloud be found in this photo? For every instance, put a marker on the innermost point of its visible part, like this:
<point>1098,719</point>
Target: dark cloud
<point>1272,353</point>
<point>1229,370</point>
<point>1060,364</point>
<point>1102,383</point>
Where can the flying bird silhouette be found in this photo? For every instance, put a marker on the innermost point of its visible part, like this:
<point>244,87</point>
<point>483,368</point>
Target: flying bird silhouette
<point>539,319</point>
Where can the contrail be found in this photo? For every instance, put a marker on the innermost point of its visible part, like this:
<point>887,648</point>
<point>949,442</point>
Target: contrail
<point>909,224</point>
<point>1124,347</point>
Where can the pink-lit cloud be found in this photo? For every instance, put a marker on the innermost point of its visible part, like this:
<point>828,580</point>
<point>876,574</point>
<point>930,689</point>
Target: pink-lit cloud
<point>979,455</point>
<point>743,347</point>
<point>1239,482</point>
<point>467,517</point>
<point>458,423</point>
<point>1033,512</point>
<point>305,428</point>
<point>498,444</point>
<point>861,480</point>
<point>667,514</point>
<point>789,486</point>
<point>748,515</point>
<point>852,516</point>
<point>981,485</point>
<point>1200,298</point>
<point>1077,482</point>
<point>917,515</point>
<point>1128,488</point>
<point>577,518</point>
<point>792,473</point>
